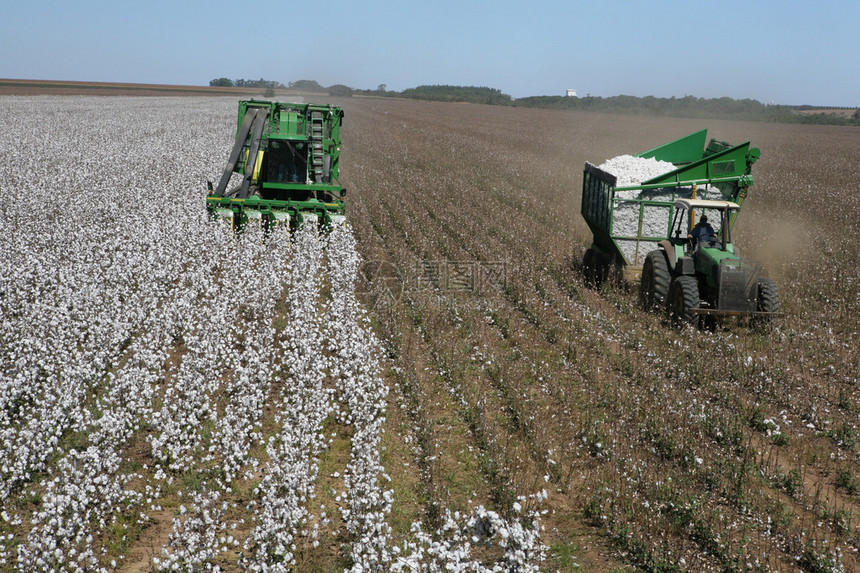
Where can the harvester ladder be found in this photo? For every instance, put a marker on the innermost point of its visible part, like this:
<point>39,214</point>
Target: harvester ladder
<point>255,119</point>
<point>247,122</point>
<point>256,136</point>
<point>317,144</point>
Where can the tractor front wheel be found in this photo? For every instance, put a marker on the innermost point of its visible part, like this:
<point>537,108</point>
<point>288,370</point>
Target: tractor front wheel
<point>654,285</point>
<point>683,299</point>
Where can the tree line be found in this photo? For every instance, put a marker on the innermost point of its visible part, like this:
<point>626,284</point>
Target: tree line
<point>693,107</point>
<point>687,106</point>
<point>459,94</point>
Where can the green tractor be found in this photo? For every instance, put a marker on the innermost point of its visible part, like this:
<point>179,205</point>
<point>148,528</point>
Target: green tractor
<point>288,156</point>
<point>699,278</point>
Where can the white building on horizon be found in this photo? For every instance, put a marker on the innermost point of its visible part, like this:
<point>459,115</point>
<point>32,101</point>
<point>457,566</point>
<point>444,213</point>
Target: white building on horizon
<point>570,93</point>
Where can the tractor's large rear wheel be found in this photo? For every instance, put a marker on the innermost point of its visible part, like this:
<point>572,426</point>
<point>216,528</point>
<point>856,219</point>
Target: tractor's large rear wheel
<point>594,268</point>
<point>683,299</point>
<point>768,296</point>
<point>768,301</point>
<point>654,284</point>
<point>588,266</point>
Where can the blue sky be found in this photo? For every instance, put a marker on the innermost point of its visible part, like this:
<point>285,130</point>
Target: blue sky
<point>787,52</point>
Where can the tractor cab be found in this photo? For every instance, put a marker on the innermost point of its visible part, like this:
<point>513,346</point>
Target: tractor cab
<point>696,219</point>
<point>703,227</point>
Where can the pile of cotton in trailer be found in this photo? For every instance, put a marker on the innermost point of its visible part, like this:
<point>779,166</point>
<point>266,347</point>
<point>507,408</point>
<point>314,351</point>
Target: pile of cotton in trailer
<point>631,171</point>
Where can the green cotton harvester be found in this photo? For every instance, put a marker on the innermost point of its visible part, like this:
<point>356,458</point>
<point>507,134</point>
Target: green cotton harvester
<point>287,155</point>
<point>647,232</point>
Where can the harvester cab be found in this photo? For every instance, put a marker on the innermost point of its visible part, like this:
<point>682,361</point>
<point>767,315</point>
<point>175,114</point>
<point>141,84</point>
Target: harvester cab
<point>288,157</point>
<point>700,275</point>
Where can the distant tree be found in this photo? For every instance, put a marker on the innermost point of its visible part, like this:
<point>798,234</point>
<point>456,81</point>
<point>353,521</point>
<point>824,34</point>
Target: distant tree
<point>307,85</point>
<point>222,83</point>
<point>261,83</point>
<point>340,90</point>
<point>270,91</point>
<point>856,114</point>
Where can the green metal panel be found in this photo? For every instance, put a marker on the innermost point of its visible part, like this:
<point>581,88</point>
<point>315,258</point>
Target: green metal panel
<point>289,123</point>
<point>683,150</point>
<point>710,258</point>
<point>597,192</point>
<point>728,164</point>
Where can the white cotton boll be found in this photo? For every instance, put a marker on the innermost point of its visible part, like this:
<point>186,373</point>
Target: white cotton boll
<point>631,171</point>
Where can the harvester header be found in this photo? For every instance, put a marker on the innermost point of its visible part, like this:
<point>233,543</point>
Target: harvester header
<point>288,156</point>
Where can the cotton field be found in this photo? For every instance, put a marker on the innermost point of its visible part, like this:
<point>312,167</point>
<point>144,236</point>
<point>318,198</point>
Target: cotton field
<point>172,397</point>
<point>433,387</point>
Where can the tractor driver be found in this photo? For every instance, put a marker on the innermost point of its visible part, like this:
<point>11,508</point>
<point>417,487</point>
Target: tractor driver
<point>703,232</point>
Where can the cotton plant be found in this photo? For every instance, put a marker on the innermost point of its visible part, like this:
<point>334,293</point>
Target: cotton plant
<point>453,546</point>
<point>187,401</point>
<point>289,477</point>
<point>89,301</point>
<point>198,536</point>
<point>363,394</point>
